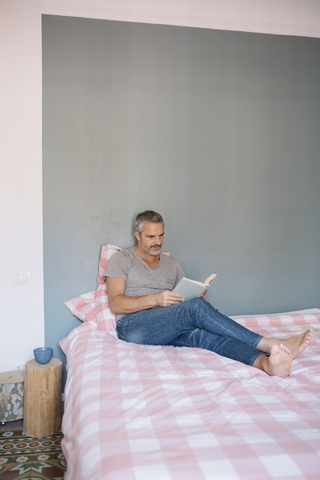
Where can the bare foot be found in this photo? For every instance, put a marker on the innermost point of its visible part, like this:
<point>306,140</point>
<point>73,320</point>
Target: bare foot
<point>278,363</point>
<point>295,344</point>
<point>299,343</point>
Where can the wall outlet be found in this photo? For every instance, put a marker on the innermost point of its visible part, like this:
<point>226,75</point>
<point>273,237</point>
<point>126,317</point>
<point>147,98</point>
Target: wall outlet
<point>18,366</point>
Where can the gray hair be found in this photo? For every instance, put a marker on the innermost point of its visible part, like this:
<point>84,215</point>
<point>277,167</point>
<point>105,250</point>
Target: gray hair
<point>147,216</point>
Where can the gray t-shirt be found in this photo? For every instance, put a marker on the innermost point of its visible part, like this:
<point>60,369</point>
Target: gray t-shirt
<point>140,278</point>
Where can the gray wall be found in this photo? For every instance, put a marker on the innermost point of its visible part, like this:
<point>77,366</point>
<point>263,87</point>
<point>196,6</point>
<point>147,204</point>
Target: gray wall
<point>218,131</point>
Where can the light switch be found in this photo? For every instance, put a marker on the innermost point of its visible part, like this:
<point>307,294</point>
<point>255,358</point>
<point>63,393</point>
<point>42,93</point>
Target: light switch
<point>22,278</point>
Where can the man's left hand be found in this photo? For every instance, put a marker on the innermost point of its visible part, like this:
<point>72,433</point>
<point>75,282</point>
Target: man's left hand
<point>204,295</point>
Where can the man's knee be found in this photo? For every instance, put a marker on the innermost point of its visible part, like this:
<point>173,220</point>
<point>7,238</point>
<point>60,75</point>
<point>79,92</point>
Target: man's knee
<point>198,306</point>
<point>197,302</point>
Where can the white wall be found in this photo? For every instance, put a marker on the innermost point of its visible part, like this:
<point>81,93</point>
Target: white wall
<point>22,316</point>
<point>22,325</point>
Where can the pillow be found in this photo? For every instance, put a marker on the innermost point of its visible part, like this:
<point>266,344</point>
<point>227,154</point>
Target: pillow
<point>106,253</point>
<point>82,306</point>
<point>90,306</point>
<point>106,320</point>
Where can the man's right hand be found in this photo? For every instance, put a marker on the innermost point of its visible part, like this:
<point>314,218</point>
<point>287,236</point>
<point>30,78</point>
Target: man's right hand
<point>167,298</point>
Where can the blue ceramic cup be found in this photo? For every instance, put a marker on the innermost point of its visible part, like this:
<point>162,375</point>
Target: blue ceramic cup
<point>43,354</point>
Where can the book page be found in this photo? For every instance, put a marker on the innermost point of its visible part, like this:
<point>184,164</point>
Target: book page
<point>194,281</point>
<point>210,279</point>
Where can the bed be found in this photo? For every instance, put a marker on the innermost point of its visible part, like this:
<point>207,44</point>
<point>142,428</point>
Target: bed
<point>135,412</point>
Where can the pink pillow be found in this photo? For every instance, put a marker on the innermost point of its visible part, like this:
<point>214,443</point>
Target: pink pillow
<point>106,253</point>
<point>105,319</point>
<point>93,306</point>
<point>82,306</point>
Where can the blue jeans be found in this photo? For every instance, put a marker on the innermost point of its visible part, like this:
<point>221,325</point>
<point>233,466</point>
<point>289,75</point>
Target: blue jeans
<point>195,323</point>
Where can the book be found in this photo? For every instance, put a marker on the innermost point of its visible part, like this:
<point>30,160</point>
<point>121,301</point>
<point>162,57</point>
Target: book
<point>191,288</point>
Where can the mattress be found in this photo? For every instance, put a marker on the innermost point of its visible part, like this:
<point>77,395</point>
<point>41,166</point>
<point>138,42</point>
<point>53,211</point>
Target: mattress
<point>136,412</point>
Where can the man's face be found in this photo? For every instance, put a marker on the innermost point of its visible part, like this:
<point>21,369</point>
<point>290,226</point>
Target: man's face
<point>151,238</point>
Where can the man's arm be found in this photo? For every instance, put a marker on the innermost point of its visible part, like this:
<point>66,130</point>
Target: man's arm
<point>120,303</point>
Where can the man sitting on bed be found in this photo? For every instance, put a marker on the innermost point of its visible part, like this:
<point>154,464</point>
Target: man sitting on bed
<point>140,283</point>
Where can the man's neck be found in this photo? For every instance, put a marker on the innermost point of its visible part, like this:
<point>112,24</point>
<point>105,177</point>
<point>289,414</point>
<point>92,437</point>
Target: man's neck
<point>150,260</point>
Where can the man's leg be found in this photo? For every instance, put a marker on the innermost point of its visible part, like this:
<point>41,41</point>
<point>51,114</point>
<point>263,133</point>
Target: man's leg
<point>206,317</point>
<point>161,326</point>
<point>224,346</point>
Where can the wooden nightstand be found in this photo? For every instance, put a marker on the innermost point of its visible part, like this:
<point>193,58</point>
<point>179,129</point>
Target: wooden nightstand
<point>42,398</point>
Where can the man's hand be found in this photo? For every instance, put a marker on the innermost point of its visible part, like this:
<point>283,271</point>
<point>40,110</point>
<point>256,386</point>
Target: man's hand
<point>167,298</point>
<point>204,295</point>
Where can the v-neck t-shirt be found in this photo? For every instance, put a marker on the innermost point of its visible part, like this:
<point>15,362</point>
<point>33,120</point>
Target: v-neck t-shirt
<point>140,278</point>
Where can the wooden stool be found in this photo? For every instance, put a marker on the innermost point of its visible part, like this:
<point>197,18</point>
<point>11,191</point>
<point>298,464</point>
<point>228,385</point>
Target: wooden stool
<point>42,398</point>
<point>11,395</point>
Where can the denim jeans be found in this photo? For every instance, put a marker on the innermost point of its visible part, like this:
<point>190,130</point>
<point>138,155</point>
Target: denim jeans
<point>194,323</point>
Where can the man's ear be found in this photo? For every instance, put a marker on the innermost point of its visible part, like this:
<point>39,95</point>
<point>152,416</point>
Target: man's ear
<point>137,235</point>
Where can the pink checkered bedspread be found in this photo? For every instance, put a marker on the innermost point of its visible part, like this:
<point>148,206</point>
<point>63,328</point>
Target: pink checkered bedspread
<point>137,412</point>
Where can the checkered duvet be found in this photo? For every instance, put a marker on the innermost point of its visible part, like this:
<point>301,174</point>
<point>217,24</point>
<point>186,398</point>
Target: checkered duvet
<point>136,412</point>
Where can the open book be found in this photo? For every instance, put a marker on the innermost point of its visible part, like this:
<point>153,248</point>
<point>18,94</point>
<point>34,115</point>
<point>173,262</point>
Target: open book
<point>190,288</point>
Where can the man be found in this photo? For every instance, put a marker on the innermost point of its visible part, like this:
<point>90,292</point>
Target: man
<point>140,283</point>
